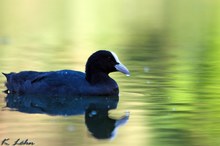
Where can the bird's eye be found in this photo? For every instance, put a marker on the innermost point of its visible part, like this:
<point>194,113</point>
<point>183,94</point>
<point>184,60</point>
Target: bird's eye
<point>110,59</point>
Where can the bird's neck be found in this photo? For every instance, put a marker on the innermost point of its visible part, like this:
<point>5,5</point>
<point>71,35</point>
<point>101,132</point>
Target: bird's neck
<point>97,77</point>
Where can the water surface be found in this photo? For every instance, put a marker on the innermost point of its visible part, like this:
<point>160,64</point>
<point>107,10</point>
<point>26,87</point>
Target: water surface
<point>171,49</point>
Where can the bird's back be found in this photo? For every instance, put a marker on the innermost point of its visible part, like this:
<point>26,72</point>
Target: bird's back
<point>54,82</point>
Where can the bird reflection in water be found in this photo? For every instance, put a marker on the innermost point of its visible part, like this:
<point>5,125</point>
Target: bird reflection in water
<point>95,109</point>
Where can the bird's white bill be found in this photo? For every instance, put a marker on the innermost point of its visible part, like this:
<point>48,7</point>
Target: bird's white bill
<point>123,69</point>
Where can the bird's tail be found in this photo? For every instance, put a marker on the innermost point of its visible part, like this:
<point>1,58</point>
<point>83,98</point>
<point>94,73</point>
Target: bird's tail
<point>6,83</point>
<point>6,75</point>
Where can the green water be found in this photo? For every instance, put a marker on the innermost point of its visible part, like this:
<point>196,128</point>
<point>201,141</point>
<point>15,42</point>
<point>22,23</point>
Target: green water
<point>171,48</point>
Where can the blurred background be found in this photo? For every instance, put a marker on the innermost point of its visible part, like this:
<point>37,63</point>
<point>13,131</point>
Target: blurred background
<point>171,48</point>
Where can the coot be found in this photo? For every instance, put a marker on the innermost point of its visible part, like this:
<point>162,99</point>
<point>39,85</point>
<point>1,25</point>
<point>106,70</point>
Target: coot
<point>94,82</point>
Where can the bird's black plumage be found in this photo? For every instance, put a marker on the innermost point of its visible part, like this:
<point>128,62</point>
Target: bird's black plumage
<point>94,82</point>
